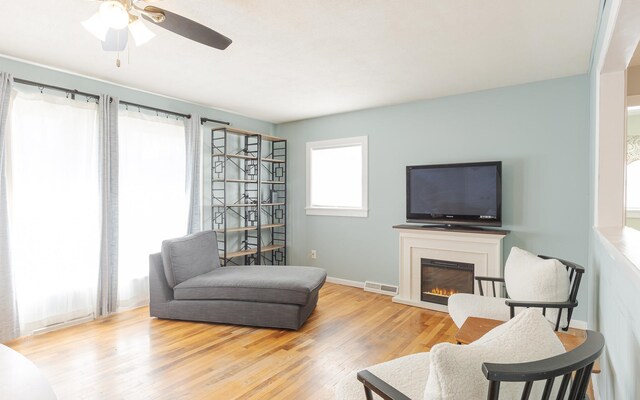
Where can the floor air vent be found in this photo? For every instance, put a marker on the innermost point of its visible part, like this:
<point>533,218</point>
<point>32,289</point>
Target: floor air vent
<point>380,288</point>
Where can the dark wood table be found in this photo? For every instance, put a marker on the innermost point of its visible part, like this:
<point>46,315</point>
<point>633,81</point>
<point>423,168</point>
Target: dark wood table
<point>474,328</point>
<point>21,379</point>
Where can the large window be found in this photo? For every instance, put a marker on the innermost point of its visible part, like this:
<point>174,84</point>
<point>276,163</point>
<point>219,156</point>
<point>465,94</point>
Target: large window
<point>632,201</point>
<point>152,199</point>
<point>337,177</point>
<point>54,199</point>
<point>52,175</point>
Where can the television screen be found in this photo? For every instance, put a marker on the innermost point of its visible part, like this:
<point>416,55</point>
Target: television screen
<point>455,194</point>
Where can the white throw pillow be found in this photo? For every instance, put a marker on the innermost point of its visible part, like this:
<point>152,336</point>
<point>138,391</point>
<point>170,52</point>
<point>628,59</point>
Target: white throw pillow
<point>531,278</point>
<point>455,372</point>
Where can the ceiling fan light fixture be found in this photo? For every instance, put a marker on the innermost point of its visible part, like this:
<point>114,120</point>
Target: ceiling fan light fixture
<point>96,26</point>
<point>141,34</point>
<point>114,14</point>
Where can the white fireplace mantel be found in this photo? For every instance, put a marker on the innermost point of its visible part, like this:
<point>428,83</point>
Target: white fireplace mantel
<point>482,248</point>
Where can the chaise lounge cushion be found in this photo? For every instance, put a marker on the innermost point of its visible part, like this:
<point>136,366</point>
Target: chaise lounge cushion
<point>273,284</point>
<point>189,256</point>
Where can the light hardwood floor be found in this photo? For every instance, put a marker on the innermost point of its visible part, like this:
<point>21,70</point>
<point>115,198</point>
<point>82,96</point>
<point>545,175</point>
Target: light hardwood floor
<point>132,356</point>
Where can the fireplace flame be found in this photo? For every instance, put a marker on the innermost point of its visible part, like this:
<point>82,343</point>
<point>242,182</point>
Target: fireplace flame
<point>442,292</point>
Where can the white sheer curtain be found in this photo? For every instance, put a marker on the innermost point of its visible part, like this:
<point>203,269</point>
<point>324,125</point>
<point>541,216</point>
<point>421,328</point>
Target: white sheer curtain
<point>152,199</point>
<point>52,175</point>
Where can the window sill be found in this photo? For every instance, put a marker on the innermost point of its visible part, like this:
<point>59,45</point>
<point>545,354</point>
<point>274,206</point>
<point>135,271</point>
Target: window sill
<point>338,212</point>
<point>624,241</point>
<point>633,213</point>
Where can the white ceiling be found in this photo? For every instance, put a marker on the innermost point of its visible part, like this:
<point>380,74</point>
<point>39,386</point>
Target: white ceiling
<point>293,59</point>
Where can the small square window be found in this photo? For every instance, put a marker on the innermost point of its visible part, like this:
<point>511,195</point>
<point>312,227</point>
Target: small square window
<point>337,177</point>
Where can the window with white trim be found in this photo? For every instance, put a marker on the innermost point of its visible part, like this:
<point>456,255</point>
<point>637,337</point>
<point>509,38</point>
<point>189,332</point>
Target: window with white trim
<point>337,177</point>
<point>632,201</point>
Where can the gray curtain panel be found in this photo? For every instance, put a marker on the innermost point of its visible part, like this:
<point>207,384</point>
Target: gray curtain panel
<point>192,182</point>
<point>9,324</point>
<point>108,153</point>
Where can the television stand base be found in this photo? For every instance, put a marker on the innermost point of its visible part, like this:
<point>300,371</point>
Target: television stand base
<point>454,228</point>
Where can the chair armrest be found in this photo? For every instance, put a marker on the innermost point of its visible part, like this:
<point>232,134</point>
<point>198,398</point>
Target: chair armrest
<point>541,304</point>
<point>380,387</point>
<point>569,305</point>
<point>491,279</point>
<point>560,365</point>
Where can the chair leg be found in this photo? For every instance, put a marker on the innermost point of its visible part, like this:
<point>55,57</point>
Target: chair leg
<point>367,393</point>
<point>494,390</point>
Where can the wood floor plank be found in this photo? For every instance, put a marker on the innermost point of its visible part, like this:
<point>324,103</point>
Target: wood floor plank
<point>132,356</point>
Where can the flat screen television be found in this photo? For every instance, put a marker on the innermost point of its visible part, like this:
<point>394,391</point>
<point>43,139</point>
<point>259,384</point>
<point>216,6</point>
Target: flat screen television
<point>455,194</point>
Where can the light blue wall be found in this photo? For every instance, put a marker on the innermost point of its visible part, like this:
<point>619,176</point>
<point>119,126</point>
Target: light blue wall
<point>539,131</point>
<point>614,282</point>
<point>44,75</point>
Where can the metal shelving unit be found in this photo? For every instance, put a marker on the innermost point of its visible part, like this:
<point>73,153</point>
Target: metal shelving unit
<point>248,193</point>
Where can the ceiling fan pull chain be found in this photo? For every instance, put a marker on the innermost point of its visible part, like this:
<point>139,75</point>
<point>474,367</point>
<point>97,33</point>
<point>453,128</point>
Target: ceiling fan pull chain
<point>118,46</point>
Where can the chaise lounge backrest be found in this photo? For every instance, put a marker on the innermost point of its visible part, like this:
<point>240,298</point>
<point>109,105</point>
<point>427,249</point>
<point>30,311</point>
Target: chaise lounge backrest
<point>180,259</point>
<point>189,256</point>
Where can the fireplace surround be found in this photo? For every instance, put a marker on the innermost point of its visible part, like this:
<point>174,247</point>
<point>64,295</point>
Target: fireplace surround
<point>466,252</point>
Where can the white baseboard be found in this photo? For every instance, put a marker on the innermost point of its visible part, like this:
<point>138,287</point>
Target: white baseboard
<point>345,282</point>
<point>596,390</point>
<point>577,324</point>
<point>61,325</point>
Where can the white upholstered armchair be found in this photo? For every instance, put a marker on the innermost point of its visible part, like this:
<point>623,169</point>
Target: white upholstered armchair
<point>520,359</point>
<point>531,281</point>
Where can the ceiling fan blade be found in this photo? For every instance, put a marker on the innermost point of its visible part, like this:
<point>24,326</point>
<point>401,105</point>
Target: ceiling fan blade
<point>189,29</point>
<point>116,39</point>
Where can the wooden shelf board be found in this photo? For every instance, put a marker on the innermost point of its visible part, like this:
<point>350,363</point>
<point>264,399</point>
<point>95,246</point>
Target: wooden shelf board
<point>236,156</point>
<point>272,247</point>
<point>242,253</point>
<point>251,133</point>
<point>236,180</point>
<point>249,228</point>
<point>246,204</point>
<point>272,226</point>
<point>273,182</point>
<point>239,229</point>
<point>273,160</point>
<point>235,205</point>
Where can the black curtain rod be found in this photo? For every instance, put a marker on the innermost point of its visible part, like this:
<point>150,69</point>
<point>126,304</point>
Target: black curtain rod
<point>203,120</point>
<point>72,92</point>
<point>158,110</point>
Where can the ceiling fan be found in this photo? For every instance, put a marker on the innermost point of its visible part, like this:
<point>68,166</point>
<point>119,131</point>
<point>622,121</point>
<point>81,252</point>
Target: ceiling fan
<point>115,19</point>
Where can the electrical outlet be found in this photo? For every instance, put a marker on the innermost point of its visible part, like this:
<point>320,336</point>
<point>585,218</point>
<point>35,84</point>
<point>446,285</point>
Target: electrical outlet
<point>313,255</point>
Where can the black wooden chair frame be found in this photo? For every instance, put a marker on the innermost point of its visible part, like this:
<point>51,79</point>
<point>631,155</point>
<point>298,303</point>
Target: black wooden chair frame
<point>578,362</point>
<point>575,276</point>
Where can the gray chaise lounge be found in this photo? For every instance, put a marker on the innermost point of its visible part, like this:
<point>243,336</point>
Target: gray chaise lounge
<point>186,282</point>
